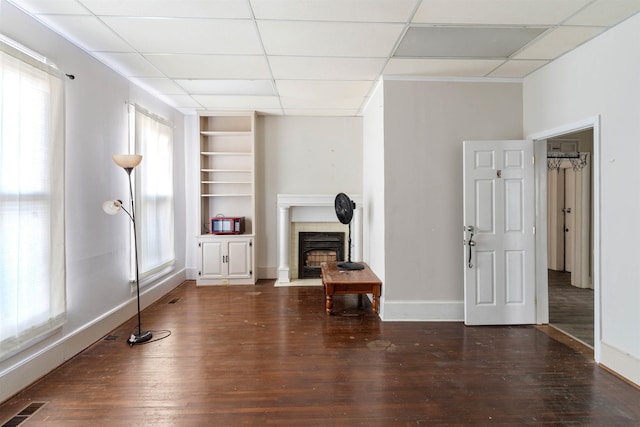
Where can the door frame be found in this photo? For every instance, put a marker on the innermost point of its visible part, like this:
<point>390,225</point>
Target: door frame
<point>542,284</point>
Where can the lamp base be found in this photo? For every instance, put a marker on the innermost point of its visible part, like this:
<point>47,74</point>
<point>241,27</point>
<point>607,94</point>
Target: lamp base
<point>350,266</point>
<point>139,338</point>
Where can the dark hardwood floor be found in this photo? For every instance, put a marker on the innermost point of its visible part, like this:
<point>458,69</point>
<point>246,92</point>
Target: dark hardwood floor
<point>265,355</point>
<point>570,308</point>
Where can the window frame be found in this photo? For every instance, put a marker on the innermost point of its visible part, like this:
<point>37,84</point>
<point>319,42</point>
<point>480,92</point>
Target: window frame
<point>147,275</point>
<point>47,82</point>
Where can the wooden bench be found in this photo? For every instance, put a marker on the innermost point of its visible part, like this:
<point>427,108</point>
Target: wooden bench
<point>341,282</point>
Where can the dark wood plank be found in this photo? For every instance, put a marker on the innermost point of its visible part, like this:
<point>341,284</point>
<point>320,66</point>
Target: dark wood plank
<point>570,308</point>
<point>260,355</point>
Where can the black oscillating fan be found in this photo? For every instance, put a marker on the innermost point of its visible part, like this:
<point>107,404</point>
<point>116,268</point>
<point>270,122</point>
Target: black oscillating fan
<point>344,211</point>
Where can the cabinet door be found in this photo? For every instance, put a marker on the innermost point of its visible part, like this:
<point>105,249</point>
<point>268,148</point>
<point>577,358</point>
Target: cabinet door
<point>239,258</point>
<point>212,259</point>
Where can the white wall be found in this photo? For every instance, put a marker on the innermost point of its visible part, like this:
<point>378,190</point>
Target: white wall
<point>424,126</point>
<point>602,78</point>
<point>98,293</point>
<point>373,178</point>
<point>302,155</point>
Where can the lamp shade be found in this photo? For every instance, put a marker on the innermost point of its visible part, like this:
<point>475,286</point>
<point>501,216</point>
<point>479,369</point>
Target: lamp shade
<point>112,207</point>
<point>127,160</point>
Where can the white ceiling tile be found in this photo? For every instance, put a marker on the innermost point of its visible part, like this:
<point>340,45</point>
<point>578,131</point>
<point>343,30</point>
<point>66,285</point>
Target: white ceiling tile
<point>324,103</point>
<point>335,10</point>
<point>605,12</point>
<point>211,66</point>
<point>334,112</point>
<point>238,102</point>
<point>502,12</point>
<point>322,89</point>
<point>163,35</point>
<point>517,68</point>
<point>228,87</point>
<point>184,101</point>
<point>170,8</point>
<point>316,68</point>
<point>87,32</point>
<point>63,7</point>
<point>129,64</point>
<point>161,85</point>
<point>558,41</point>
<point>441,67</point>
<point>329,38</point>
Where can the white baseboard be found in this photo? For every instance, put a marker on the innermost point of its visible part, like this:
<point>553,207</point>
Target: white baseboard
<point>27,367</point>
<point>624,364</point>
<point>422,311</point>
<point>263,273</point>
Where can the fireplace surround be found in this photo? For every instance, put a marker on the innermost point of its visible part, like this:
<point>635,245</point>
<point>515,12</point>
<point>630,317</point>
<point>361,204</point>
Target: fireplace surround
<point>306,208</point>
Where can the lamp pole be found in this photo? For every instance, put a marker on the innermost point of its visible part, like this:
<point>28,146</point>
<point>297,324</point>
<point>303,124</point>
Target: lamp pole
<point>128,162</point>
<point>140,336</point>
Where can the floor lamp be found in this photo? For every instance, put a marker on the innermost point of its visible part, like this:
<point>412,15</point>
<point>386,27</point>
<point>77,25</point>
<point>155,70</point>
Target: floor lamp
<point>112,207</point>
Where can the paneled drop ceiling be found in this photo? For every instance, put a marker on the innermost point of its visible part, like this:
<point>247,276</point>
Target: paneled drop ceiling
<point>318,57</point>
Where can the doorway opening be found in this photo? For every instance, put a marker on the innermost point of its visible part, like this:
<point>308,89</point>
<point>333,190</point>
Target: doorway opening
<point>570,234</point>
<point>592,125</point>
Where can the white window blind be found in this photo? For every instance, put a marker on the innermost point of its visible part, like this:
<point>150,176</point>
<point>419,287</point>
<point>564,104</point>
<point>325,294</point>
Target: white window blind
<point>32,234</point>
<point>154,199</point>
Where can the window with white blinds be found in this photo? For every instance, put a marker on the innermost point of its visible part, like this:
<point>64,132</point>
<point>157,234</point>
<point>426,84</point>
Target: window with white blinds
<point>32,234</point>
<point>154,198</point>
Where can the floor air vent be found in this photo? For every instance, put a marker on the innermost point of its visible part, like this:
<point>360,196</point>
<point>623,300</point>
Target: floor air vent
<point>23,415</point>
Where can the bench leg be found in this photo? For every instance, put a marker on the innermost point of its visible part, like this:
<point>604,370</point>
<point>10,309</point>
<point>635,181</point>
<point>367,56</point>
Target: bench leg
<point>375,304</point>
<point>328,304</point>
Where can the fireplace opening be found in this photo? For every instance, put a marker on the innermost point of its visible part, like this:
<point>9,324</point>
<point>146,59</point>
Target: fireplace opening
<point>315,248</point>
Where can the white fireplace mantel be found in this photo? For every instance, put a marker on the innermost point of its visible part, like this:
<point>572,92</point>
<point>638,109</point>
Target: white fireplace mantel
<point>312,208</point>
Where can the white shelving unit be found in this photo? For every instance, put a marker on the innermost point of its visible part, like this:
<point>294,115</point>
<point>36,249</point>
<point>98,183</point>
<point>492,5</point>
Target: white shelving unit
<point>227,188</point>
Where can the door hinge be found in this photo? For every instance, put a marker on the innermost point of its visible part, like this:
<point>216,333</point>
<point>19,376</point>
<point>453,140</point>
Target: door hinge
<point>250,243</point>
<point>199,245</point>
<point>199,273</point>
<point>533,160</point>
<point>534,230</point>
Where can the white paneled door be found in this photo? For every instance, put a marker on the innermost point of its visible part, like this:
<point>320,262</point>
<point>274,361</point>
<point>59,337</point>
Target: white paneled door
<point>499,242</point>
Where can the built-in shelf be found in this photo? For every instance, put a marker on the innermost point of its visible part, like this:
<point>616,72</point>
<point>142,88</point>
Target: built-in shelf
<point>226,195</point>
<point>225,133</point>
<point>226,182</point>
<point>224,153</point>
<point>227,170</point>
<point>227,189</point>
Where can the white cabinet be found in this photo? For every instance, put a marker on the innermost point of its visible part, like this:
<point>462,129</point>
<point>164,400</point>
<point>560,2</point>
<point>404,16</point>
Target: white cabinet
<point>227,189</point>
<point>225,260</point>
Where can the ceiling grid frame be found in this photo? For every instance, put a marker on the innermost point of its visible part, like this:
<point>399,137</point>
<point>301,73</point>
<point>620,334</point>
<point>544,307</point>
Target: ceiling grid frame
<point>329,54</point>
